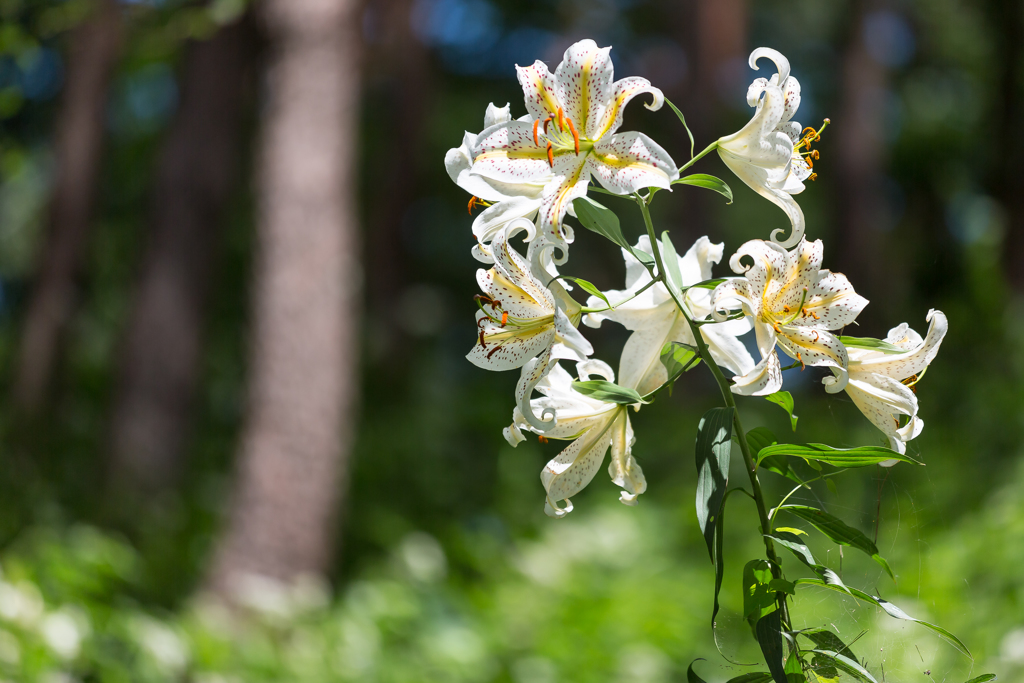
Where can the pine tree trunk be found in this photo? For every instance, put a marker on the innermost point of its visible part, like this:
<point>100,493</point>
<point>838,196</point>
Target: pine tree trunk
<point>161,351</point>
<point>78,141</point>
<point>304,356</point>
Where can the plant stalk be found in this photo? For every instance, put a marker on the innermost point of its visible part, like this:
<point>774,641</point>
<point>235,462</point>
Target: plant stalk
<point>730,401</point>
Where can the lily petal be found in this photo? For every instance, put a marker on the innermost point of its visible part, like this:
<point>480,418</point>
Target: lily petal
<point>902,366</point>
<point>507,152</point>
<point>540,89</point>
<point>622,467</point>
<point>761,180</point>
<point>627,162</point>
<point>584,82</point>
<point>606,120</point>
<point>495,218</point>
<point>570,471</point>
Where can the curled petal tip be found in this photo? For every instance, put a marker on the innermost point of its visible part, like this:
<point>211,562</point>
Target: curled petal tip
<point>629,499</point>
<point>657,100</point>
<point>551,508</point>
<point>838,382</point>
<point>781,63</point>
<point>796,234</point>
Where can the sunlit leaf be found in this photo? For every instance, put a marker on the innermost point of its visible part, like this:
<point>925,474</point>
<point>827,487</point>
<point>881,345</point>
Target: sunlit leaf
<point>784,399</point>
<point>671,261</point>
<point>708,182</point>
<point>588,287</point>
<point>983,678</point>
<point>677,358</point>
<point>758,597</point>
<point>893,611</point>
<point>871,343</point>
<point>787,539</point>
<point>604,222</point>
<point>850,666</point>
<point>769,636</point>
<point>691,675</point>
<point>756,677</point>
<point>839,532</point>
<point>682,119</point>
<point>837,457</point>
<point>602,390</point>
<point>713,455</point>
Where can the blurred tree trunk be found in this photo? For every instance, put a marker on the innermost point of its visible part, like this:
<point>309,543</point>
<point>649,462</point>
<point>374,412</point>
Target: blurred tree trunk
<point>714,33</point>
<point>405,77</point>
<point>196,172</point>
<point>304,357</point>
<point>1008,27</point>
<point>93,51</point>
<point>860,152</point>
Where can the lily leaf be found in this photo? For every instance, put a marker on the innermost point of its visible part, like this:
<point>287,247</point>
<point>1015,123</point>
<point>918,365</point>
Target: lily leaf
<point>691,675</point>
<point>760,438</point>
<point>713,455</point>
<point>755,677</point>
<point>850,666</point>
<point>677,358</point>
<point>784,399</point>
<point>671,261</point>
<point>603,390</point>
<point>837,457</point>
<point>682,119</point>
<point>792,542</point>
<point>871,343</point>
<point>769,636</point>
<point>758,597</point>
<point>707,284</point>
<point>588,287</point>
<point>985,678</point>
<point>893,611</point>
<point>604,222</point>
<point>709,182</point>
<point>839,532</point>
<point>827,640</point>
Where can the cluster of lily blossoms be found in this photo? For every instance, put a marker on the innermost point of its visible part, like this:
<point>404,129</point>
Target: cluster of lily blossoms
<point>527,172</point>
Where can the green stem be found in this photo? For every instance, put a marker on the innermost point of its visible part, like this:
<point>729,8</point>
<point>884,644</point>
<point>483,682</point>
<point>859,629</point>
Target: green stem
<point>707,150</point>
<point>730,401</point>
<point>610,307</point>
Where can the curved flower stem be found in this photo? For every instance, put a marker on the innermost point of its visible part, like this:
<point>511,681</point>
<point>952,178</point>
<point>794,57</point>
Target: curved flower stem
<point>730,401</point>
<point>611,307</point>
<point>707,150</point>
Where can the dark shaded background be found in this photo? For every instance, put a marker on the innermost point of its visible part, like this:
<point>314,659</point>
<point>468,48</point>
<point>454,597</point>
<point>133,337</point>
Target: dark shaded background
<point>142,186</point>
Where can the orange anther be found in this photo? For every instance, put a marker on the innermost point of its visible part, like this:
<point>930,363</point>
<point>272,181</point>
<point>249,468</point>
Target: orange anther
<point>551,156</point>
<point>546,122</point>
<point>814,176</point>
<point>575,135</point>
<point>493,351</point>
<point>536,139</point>
<point>802,366</point>
<point>561,120</point>
<point>504,318</point>
<point>472,203</point>
<point>542,438</point>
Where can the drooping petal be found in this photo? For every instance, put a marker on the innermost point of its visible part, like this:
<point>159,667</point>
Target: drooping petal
<point>532,373</point>
<point>882,400</point>
<point>816,348</point>
<point>570,181</point>
<point>509,348</point>
<point>516,271</point>
<point>640,365</point>
<point>781,63</point>
<point>726,349</point>
<point>765,378</point>
<point>904,365</point>
<point>570,471</point>
<point>575,345</point>
<point>584,82</point>
<point>607,119</point>
<point>495,218</point>
<point>762,181</point>
<point>628,162</point>
<point>539,88</point>
<point>622,467</point>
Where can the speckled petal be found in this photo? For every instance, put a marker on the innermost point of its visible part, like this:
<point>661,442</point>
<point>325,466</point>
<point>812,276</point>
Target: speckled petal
<point>539,88</point>
<point>495,218</point>
<point>762,181</point>
<point>508,153</point>
<point>764,379</point>
<point>570,182</point>
<point>507,350</point>
<point>902,366</point>
<point>833,301</point>
<point>882,399</point>
<point>584,81</point>
<point>570,471</point>
<point>606,120</point>
<point>802,269</point>
<point>628,162</point>
<point>622,467</point>
<point>816,348</point>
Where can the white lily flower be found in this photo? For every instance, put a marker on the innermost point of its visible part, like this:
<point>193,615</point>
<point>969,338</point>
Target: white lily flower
<point>772,154</point>
<point>881,381</point>
<point>508,200</point>
<point>571,133</point>
<point>523,323</point>
<point>593,426</point>
<point>793,303</point>
<point>656,320</point>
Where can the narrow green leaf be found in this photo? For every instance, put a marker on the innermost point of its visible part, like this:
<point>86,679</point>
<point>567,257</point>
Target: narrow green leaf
<point>604,222</point>
<point>837,457</point>
<point>643,257</point>
<point>983,679</point>
<point>682,119</point>
<point>871,343</point>
<point>691,675</point>
<point>759,438</point>
<point>848,665</point>
<point>831,485</point>
<point>713,455</point>
<point>893,611</point>
<point>677,358</point>
<point>588,287</point>
<point>827,640</point>
<point>784,399</point>
<point>671,261</point>
<point>603,390</point>
<point>758,597</point>
<point>769,636</point>
<point>757,677</point>
<point>782,586</point>
<point>796,546</point>
<point>839,532</point>
<point>707,284</point>
<point>708,182</point>
<point>794,667</point>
